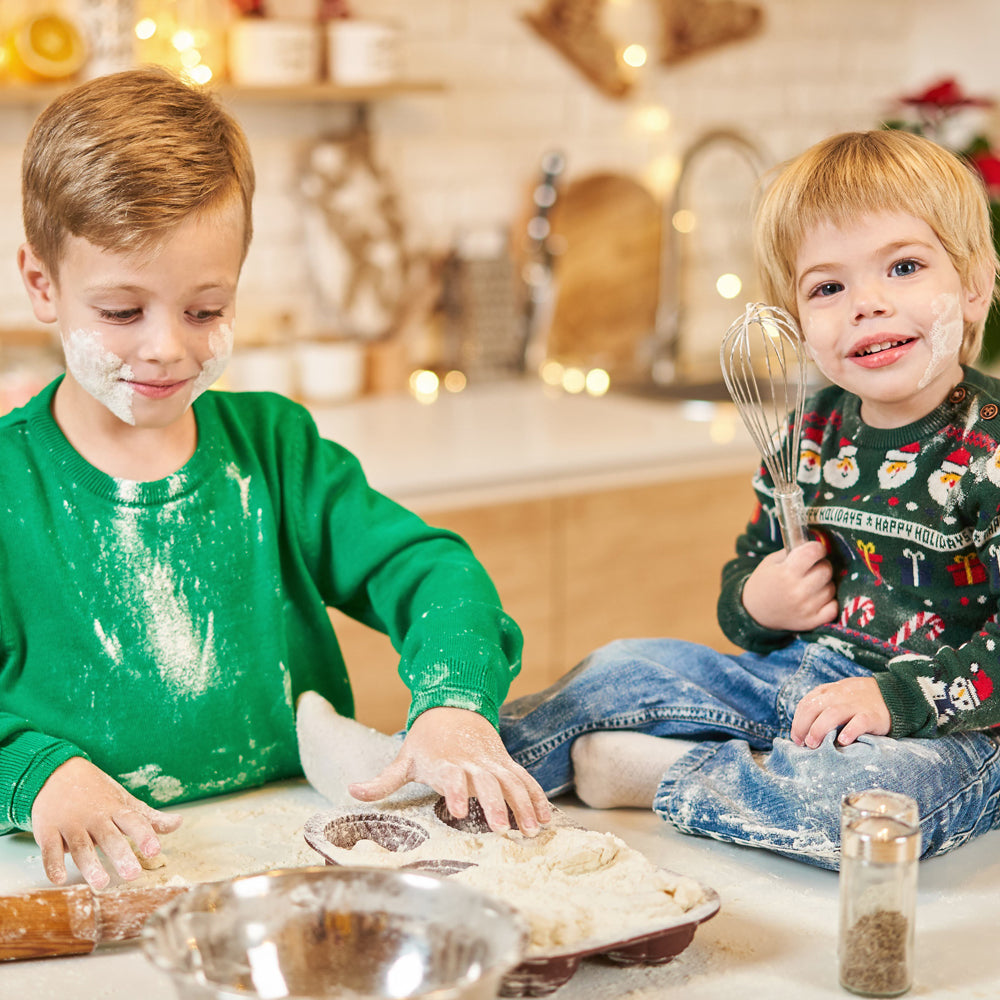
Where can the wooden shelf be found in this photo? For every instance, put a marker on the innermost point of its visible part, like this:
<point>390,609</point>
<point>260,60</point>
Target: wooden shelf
<point>321,92</point>
<point>14,94</point>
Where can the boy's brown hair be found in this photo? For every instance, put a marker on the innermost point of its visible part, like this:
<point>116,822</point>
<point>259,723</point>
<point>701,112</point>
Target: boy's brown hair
<point>122,159</point>
<point>854,174</point>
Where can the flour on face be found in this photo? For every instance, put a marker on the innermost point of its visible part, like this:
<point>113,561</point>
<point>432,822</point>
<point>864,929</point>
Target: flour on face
<point>103,374</point>
<point>107,377</point>
<point>220,343</point>
<point>945,335</point>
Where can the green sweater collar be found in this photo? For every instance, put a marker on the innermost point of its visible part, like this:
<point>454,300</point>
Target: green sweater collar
<point>863,435</point>
<point>42,424</point>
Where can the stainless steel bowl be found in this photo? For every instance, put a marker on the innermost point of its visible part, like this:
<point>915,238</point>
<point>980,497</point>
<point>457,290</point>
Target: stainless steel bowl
<point>331,933</point>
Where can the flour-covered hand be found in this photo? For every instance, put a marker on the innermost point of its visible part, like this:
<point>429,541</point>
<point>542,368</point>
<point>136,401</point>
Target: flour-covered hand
<point>792,591</point>
<point>460,755</point>
<point>81,809</point>
<point>854,703</point>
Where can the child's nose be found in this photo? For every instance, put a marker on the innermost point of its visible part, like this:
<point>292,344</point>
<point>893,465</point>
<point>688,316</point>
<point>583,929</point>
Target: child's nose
<point>870,300</point>
<point>163,342</point>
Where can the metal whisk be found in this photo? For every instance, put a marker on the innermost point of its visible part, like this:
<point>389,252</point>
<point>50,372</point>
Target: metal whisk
<point>764,344</point>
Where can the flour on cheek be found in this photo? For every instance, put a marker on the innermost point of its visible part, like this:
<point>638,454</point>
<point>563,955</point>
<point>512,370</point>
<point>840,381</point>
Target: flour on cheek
<point>945,335</point>
<point>99,372</point>
<point>220,343</point>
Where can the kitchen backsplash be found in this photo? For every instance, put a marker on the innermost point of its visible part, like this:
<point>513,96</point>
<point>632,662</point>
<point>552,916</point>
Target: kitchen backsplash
<point>464,159</point>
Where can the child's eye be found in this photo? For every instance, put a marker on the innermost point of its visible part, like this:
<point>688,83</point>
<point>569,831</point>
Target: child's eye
<point>902,268</point>
<point>205,315</point>
<point>826,288</point>
<point>118,315</point>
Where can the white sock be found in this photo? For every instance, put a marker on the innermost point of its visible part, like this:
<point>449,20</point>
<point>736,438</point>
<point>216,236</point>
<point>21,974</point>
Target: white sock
<point>621,768</point>
<point>335,751</point>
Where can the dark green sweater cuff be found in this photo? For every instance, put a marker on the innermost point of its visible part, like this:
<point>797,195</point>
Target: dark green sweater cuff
<point>910,713</point>
<point>739,626</point>
<point>28,760</point>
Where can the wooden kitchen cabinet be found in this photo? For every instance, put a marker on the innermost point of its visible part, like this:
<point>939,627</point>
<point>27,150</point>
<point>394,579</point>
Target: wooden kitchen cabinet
<point>576,572</point>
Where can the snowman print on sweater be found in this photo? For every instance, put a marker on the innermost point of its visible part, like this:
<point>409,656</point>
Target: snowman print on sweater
<point>961,694</point>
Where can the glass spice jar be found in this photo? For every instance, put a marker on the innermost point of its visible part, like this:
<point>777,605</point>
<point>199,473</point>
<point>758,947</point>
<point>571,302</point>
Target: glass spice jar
<point>878,802</point>
<point>878,894</point>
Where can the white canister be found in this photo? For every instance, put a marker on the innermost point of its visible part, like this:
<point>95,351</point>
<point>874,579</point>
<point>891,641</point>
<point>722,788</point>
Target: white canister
<point>330,371</point>
<point>266,52</point>
<point>362,53</point>
<point>263,368</point>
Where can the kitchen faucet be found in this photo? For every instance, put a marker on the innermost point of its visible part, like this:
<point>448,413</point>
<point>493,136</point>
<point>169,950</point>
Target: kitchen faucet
<point>662,354</point>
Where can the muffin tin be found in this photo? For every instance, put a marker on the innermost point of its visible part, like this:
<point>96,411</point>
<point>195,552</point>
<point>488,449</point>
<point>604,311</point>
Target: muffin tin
<point>333,835</point>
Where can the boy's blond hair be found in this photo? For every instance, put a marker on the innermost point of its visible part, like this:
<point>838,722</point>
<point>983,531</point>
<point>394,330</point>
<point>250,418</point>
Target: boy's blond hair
<point>854,174</point>
<point>123,159</point>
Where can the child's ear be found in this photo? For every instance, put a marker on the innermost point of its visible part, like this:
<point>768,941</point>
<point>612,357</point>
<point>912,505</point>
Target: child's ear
<point>38,283</point>
<point>978,297</point>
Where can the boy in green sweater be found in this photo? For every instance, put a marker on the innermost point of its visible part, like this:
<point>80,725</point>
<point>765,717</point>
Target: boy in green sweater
<point>873,651</point>
<point>168,554</point>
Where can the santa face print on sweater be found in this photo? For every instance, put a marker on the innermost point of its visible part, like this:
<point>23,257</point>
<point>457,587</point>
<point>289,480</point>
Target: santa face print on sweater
<point>809,455</point>
<point>899,466</point>
<point>943,483</point>
<point>842,471</point>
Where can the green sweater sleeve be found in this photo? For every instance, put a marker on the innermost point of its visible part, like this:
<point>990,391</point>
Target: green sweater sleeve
<point>738,626</point>
<point>383,565</point>
<point>27,759</point>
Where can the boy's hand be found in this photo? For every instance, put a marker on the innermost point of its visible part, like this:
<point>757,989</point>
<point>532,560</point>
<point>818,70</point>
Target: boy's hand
<point>792,591</point>
<point>856,703</point>
<point>79,809</point>
<point>459,754</point>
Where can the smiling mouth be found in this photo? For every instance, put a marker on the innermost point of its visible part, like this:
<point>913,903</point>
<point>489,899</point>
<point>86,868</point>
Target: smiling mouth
<point>885,345</point>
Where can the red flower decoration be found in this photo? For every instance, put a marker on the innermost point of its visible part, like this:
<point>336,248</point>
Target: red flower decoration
<point>988,165</point>
<point>946,95</point>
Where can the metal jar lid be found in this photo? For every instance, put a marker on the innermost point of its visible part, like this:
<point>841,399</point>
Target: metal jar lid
<point>881,839</point>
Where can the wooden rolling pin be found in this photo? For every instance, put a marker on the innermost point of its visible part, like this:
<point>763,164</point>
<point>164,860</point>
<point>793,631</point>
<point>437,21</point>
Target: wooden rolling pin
<point>74,920</point>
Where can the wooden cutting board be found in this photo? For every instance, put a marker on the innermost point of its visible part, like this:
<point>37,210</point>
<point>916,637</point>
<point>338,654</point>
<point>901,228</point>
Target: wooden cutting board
<point>607,273</point>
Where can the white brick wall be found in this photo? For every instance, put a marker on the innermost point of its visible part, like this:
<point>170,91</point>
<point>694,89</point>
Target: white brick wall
<point>464,158</point>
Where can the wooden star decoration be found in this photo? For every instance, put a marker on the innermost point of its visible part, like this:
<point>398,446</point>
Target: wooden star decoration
<point>574,28</point>
<point>691,27</point>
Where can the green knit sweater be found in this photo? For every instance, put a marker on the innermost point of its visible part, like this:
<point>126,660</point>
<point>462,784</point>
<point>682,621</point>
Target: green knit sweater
<point>910,519</point>
<point>164,630</point>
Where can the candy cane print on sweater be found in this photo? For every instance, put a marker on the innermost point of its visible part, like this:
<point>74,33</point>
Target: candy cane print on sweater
<point>865,608</point>
<point>933,623</point>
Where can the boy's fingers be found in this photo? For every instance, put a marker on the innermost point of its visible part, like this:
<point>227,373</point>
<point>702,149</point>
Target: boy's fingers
<point>385,783</point>
<point>163,822</point>
<point>491,800</point>
<point>137,825</point>
<point>528,811</point>
<point>81,849</point>
<point>53,855</point>
<point>119,852</point>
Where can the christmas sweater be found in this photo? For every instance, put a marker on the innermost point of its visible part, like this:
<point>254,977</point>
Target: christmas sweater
<point>910,520</point>
<point>164,630</point>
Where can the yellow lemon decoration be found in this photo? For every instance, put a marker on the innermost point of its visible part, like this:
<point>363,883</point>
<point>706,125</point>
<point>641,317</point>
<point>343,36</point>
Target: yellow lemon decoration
<point>45,47</point>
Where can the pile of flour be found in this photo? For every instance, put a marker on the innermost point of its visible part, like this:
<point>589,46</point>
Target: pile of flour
<point>571,885</point>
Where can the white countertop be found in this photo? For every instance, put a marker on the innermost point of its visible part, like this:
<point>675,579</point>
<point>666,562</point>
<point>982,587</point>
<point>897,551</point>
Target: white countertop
<point>775,936</point>
<point>520,439</point>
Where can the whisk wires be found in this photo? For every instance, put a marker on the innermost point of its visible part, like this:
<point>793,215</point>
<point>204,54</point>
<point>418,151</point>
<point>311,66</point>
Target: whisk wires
<point>764,368</point>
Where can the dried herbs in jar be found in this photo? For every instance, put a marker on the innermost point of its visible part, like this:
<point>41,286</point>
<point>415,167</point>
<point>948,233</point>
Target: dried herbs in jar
<point>878,888</point>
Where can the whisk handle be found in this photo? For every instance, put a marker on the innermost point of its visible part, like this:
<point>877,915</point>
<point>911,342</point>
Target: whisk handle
<point>792,517</point>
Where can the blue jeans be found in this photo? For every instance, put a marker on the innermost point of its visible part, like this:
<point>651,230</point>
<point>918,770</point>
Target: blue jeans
<point>746,782</point>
